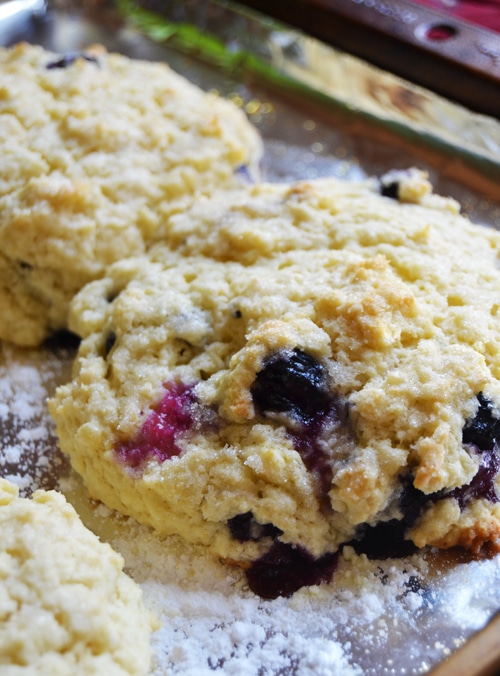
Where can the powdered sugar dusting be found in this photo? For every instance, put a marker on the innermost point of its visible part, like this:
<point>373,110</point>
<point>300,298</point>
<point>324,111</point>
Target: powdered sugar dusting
<point>374,618</point>
<point>28,454</point>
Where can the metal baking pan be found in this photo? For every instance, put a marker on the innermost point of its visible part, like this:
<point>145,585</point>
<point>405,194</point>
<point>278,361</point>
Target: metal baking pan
<point>321,112</point>
<point>429,45</point>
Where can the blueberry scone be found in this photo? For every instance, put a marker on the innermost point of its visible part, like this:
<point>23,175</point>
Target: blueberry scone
<point>66,606</point>
<point>300,367</point>
<point>97,149</point>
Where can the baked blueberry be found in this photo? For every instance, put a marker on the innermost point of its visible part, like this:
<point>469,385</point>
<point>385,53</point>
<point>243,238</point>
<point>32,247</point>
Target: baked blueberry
<point>484,429</point>
<point>284,569</point>
<point>62,341</point>
<point>243,171</point>
<point>292,382</point>
<point>390,189</point>
<point>384,540</point>
<point>69,59</point>
<point>244,527</point>
<point>482,484</point>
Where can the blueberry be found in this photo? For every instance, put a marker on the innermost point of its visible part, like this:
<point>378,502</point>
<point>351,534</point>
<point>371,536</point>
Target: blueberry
<point>483,433</point>
<point>385,540</point>
<point>412,501</point>
<point>482,484</point>
<point>284,569</point>
<point>243,171</point>
<point>244,527</point>
<point>63,340</point>
<point>390,189</point>
<point>484,429</point>
<point>390,183</point>
<point>69,59</point>
<point>292,382</point>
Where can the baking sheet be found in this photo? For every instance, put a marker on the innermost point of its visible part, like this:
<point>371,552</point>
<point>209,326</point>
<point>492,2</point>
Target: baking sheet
<point>376,617</point>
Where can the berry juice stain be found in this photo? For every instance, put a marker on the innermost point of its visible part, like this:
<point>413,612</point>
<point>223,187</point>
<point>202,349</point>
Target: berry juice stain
<point>172,418</point>
<point>307,442</point>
